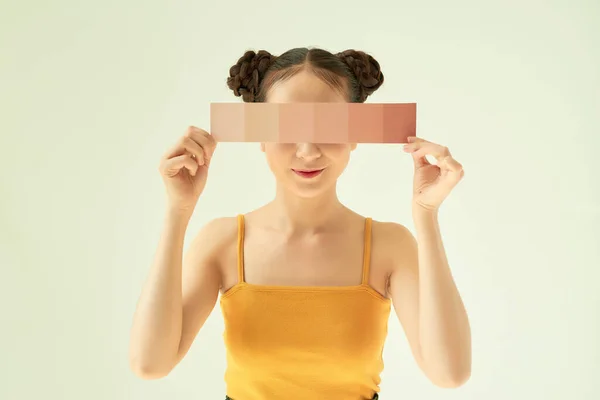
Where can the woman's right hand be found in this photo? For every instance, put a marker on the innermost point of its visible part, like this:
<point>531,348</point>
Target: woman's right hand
<point>184,168</point>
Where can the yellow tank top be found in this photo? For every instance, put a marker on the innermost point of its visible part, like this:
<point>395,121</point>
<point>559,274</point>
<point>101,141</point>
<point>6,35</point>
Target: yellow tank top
<point>304,343</point>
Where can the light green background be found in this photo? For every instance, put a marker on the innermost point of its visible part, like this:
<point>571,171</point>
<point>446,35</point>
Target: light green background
<point>92,93</point>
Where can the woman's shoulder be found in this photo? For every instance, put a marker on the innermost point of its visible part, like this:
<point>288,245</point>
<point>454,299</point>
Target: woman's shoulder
<point>391,233</point>
<point>386,234</point>
<point>396,246</point>
<point>219,231</point>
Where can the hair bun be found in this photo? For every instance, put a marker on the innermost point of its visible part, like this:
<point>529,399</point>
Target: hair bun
<point>245,76</point>
<point>367,71</point>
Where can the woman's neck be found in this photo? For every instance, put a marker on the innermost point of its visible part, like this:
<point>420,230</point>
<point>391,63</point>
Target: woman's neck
<point>299,216</point>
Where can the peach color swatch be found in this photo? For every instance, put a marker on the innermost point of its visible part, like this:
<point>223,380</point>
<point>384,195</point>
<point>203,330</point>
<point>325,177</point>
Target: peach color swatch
<point>313,122</point>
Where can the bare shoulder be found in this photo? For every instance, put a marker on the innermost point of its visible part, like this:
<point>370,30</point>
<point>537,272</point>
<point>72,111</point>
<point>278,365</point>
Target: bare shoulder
<point>217,232</point>
<point>211,240</point>
<point>203,259</point>
<point>391,240</point>
<point>221,228</point>
<point>392,232</point>
<point>396,241</point>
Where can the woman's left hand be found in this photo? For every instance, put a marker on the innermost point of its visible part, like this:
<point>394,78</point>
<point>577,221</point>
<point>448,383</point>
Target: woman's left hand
<point>432,183</point>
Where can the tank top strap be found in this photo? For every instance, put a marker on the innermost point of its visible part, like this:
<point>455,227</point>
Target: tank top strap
<point>367,251</point>
<point>240,247</point>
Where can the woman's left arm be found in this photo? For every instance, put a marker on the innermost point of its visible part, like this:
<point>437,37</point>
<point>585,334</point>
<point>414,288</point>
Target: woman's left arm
<point>421,286</point>
<point>428,304</point>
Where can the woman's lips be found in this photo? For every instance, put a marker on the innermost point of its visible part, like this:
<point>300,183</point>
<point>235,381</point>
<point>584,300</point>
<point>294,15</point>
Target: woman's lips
<point>308,173</point>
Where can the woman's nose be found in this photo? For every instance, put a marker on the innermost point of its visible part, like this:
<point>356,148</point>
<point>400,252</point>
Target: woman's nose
<point>308,151</point>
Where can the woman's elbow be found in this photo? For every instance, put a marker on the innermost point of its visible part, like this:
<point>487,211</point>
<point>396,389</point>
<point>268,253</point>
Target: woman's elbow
<point>149,371</point>
<point>452,380</point>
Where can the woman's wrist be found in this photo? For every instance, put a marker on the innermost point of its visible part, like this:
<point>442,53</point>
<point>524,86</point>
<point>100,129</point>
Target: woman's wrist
<point>178,217</point>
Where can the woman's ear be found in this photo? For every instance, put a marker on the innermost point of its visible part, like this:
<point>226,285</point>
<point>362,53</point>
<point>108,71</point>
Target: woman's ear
<point>262,147</point>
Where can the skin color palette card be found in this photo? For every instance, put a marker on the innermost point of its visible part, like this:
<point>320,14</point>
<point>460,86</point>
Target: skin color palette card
<point>313,122</point>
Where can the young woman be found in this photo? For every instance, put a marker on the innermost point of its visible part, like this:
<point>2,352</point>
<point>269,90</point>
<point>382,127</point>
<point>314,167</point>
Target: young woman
<point>306,284</point>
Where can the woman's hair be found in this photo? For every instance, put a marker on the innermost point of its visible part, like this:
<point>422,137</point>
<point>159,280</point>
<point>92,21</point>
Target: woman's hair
<point>353,73</point>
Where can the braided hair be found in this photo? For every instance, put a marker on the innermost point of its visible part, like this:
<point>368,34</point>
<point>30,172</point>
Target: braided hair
<point>353,72</point>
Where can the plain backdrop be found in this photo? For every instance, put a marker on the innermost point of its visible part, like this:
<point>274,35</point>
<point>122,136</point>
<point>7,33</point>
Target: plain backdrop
<point>92,94</point>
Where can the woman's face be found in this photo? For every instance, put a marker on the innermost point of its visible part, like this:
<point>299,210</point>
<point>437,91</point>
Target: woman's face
<point>306,169</point>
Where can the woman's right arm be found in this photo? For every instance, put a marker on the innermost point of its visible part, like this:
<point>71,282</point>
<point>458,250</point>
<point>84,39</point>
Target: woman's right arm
<point>178,296</point>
